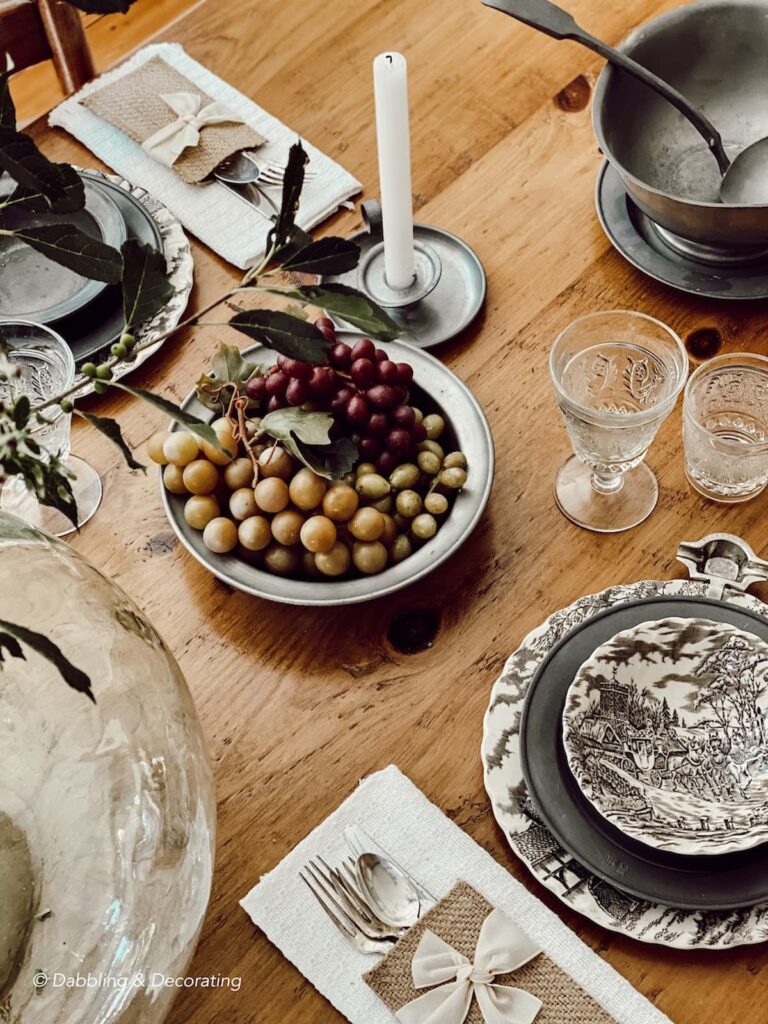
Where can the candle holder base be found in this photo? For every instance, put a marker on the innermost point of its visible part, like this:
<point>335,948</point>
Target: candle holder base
<point>448,291</point>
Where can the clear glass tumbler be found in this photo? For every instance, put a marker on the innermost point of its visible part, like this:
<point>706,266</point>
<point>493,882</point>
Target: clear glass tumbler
<point>617,376</point>
<point>725,427</point>
<point>47,367</point>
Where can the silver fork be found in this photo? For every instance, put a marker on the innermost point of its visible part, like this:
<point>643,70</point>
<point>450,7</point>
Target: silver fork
<point>272,173</point>
<point>341,910</point>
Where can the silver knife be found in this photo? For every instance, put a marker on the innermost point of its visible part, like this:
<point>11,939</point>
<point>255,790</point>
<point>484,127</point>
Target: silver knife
<point>358,842</point>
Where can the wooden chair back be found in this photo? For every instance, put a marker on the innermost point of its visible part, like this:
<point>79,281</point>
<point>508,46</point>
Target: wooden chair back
<point>32,31</point>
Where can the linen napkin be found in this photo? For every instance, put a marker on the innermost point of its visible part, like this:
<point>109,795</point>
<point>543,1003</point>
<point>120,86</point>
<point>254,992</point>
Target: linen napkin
<point>211,211</point>
<point>437,853</point>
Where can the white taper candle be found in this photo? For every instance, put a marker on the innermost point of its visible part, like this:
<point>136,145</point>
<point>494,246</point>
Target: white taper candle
<point>390,80</point>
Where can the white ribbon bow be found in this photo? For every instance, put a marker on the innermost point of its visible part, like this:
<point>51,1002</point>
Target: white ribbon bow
<point>501,949</point>
<point>167,144</point>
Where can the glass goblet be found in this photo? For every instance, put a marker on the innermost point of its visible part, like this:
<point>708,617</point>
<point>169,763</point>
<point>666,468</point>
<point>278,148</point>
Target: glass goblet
<point>46,367</point>
<point>617,376</point>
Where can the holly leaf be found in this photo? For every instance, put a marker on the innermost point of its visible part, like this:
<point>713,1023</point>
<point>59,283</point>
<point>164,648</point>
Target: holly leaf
<point>348,304</point>
<point>146,288</point>
<point>307,436</point>
<point>21,158</point>
<point>72,675</point>
<point>325,256</point>
<point>288,335</point>
<point>74,249</point>
<point>191,423</point>
<point>111,429</point>
<point>293,183</point>
<point>103,6</point>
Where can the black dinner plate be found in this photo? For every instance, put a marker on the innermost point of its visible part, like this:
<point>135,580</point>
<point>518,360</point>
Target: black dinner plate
<point>100,324</point>
<point>724,882</point>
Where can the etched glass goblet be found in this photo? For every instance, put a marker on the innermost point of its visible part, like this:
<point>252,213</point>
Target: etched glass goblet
<point>617,376</point>
<point>46,367</point>
<point>725,427</point>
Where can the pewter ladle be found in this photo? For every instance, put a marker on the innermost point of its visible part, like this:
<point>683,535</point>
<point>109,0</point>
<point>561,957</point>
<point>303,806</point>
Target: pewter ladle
<point>745,180</point>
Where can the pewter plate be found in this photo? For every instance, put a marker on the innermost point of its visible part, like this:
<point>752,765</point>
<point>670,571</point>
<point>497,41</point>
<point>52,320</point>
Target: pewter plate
<point>472,435</point>
<point>638,240</point>
<point>664,729</point>
<point>455,301</point>
<point>533,842</point>
<point>32,287</point>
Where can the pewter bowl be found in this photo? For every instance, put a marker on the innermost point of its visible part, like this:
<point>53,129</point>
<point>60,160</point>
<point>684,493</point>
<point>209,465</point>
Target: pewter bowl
<point>714,53</point>
<point>466,422</point>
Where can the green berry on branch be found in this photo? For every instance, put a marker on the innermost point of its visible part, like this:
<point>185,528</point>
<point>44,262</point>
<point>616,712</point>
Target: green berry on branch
<point>88,369</point>
<point>104,371</point>
<point>127,339</point>
<point>99,387</point>
<point>66,405</point>
<point>119,350</point>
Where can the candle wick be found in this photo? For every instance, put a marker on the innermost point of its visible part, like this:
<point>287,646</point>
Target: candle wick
<point>389,57</point>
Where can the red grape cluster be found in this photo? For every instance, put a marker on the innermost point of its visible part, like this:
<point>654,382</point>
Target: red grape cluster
<point>365,391</point>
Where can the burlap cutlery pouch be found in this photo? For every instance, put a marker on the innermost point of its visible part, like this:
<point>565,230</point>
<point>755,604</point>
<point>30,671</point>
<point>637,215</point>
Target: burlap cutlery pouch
<point>132,103</point>
<point>457,919</point>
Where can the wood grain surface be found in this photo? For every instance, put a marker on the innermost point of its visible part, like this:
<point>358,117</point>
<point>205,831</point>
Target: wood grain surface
<point>298,705</point>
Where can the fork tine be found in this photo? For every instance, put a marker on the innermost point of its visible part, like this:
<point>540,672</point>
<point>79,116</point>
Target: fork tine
<point>330,901</point>
<point>354,908</point>
<point>347,932</point>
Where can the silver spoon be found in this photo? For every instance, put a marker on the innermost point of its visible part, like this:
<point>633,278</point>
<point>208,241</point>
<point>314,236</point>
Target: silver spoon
<point>240,170</point>
<point>744,181</point>
<point>390,894</point>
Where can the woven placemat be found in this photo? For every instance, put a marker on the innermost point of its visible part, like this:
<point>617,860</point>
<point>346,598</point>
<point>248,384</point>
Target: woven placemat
<point>133,105</point>
<point>457,919</point>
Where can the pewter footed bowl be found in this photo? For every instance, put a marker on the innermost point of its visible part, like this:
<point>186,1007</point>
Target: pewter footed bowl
<point>714,52</point>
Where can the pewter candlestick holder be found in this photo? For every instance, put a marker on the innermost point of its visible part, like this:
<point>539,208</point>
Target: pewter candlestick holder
<point>448,290</point>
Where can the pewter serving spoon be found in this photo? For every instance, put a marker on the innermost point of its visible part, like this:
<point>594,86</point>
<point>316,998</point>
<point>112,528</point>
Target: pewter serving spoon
<point>241,170</point>
<point>745,180</point>
<point>390,894</point>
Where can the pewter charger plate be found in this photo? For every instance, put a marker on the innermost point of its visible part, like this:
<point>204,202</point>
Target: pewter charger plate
<point>32,287</point>
<point>465,419</point>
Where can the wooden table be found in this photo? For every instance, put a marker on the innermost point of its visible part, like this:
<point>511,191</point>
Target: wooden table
<point>298,705</point>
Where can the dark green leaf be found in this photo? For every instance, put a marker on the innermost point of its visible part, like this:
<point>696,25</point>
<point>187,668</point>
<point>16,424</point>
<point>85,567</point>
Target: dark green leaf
<point>191,423</point>
<point>351,305</point>
<point>11,644</point>
<point>309,427</point>
<point>293,182</point>
<point>325,256</point>
<point>146,288</point>
<point>288,335</point>
<point>300,239</point>
<point>21,409</point>
<point>72,675</point>
<point>306,435</point>
<point>103,6</point>
<point>111,428</point>
<point>332,461</point>
<point>72,248</point>
<point>7,108</point>
<point>71,199</point>
<point>21,158</point>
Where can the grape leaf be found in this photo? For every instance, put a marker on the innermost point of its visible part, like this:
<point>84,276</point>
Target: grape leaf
<point>72,675</point>
<point>325,256</point>
<point>72,248</point>
<point>191,423</point>
<point>288,335</point>
<point>228,370</point>
<point>27,166</point>
<point>146,288</point>
<point>111,429</point>
<point>293,182</point>
<point>348,304</point>
<point>306,435</point>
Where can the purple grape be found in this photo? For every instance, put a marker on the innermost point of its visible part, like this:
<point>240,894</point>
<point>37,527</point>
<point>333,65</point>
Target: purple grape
<point>398,440</point>
<point>298,368</point>
<point>382,396</point>
<point>403,416</point>
<point>322,381</point>
<point>256,388</point>
<point>378,423</point>
<point>341,356</point>
<point>275,402</point>
<point>370,447</point>
<point>297,392</point>
<point>276,383</point>
<point>363,349</point>
<point>418,432</point>
<point>386,462</point>
<point>380,355</point>
<point>325,325</point>
<point>405,373</point>
<point>341,400</point>
<point>388,372</point>
<point>357,410</point>
<point>363,372</point>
